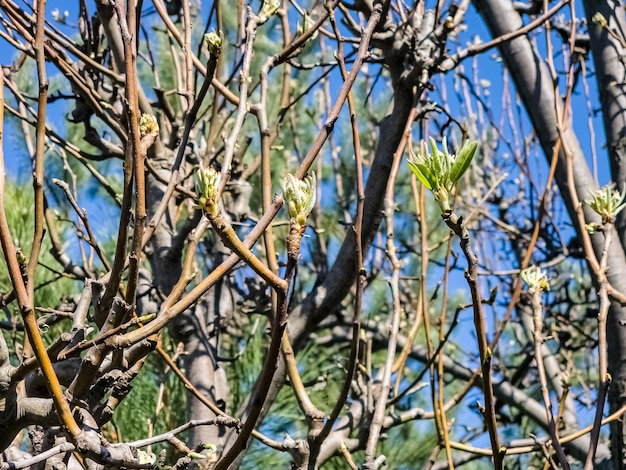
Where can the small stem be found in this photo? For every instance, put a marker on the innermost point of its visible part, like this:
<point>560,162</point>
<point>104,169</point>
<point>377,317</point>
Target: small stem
<point>134,151</point>
<point>604,380</point>
<point>82,215</point>
<point>394,326</point>
<point>444,430</point>
<point>132,145</point>
<point>541,372</point>
<point>40,148</point>
<point>242,108</point>
<point>456,225</point>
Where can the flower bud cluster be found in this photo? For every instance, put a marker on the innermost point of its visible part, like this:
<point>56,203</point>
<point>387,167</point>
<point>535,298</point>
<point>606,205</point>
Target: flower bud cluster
<point>439,171</point>
<point>536,279</point>
<point>214,42</point>
<point>208,187</point>
<point>148,125</point>
<point>299,197</point>
<point>607,203</point>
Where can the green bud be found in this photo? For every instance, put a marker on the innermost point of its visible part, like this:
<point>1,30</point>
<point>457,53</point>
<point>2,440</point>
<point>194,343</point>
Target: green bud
<point>146,318</point>
<point>270,7</point>
<point>488,354</point>
<point>211,452</point>
<point>21,257</point>
<point>607,203</point>
<point>148,125</point>
<point>299,196</point>
<point>593,227</point>
<point>599,19</point>
<point>207,187</point>
<point>536,279</point>
<point>214,42</point>
<point>439,170</point>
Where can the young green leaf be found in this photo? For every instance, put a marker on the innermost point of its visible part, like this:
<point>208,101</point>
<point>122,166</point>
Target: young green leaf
<point>422,172</point>
<point>435,160</point>
<point>463,159</point>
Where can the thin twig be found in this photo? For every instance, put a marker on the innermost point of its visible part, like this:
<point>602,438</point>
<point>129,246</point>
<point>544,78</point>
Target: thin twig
<point>541,372</point>
<point>604,378</point>
<point>135,152</point>
<point>456,225</point>
<point>517,450</point>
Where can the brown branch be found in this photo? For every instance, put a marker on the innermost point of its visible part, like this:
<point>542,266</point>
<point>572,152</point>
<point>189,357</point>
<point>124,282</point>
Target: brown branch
<point>456,225</point>
<point>604,377</point>
<point>314,416</point>
<point>255,404</point>
<point>40,148</point>
<point>216,421</point>
<point>232,241</point>
<point>134,154</point>
<point>541,372</point>
<point>24,300</point>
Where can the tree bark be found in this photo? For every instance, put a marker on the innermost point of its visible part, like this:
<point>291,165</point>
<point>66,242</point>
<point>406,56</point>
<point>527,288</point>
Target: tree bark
<point>610,72</point>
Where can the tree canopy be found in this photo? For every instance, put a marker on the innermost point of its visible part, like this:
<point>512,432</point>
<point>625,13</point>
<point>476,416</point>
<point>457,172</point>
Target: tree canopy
<point>312,234</point>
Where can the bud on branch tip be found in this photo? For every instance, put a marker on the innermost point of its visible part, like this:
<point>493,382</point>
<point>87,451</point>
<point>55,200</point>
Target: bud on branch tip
<point>607,203</point>
<point>148,125</point>
<point>269,9</point>
<point>299,196</point>
<point>214,42</point>
<point>536,279</point>
<point>207,187</point>
<point>440,171</point>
